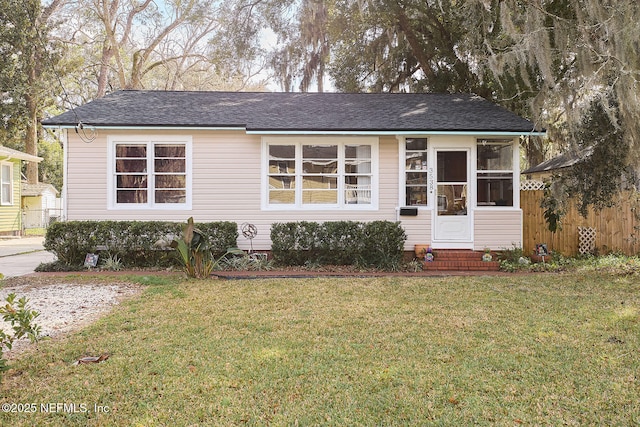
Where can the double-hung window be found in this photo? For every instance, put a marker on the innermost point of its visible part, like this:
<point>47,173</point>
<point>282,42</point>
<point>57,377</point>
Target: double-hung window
<point>151,173</point>
<point>6,183</point>
<point>495,172</point>
<point>320,172</point>
<point>415,172</point>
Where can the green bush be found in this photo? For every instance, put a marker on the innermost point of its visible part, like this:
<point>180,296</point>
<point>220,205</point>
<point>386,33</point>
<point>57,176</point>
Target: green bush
<point>20,318</point>
<point>382,245</point>
<point>294,243</point>
<point>135,243</point>
<point>341,242</point>
<point>378,244</point>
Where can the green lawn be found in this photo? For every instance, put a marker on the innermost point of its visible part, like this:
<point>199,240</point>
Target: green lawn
<point>538,349</point>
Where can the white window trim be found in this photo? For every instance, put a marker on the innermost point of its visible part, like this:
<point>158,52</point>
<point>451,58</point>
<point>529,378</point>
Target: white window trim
<point>298,141</point>
<point>516,177</point>
<point>148,139</point>
<point>10,202</point>
<point>402,149</point>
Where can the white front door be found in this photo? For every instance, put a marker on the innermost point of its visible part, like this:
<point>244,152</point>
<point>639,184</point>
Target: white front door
<point>453,221</point>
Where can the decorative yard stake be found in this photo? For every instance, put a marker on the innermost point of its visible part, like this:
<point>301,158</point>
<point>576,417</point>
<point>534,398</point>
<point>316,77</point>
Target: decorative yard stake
<point>249,231</point>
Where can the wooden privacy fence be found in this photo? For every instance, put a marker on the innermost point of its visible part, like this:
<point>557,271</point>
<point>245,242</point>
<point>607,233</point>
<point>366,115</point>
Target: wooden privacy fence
<point>616,228</point>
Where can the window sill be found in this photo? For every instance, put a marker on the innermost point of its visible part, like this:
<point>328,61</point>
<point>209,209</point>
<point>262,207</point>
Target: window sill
<point>320,208</point>
<point>133,207</point>
<point>496,207</point>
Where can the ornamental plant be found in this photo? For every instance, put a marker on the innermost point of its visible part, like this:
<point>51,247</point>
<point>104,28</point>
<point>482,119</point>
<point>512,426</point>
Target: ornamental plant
<point>21,318</point>
<point>195,252</point>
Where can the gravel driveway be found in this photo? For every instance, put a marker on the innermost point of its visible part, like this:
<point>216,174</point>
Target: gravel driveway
<point>64,307</point>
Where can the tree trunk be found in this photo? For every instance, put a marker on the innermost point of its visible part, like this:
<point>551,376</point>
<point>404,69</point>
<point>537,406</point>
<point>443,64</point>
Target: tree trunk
<point>31,137</point>
<point>31,140</point>
<point>103,76</point>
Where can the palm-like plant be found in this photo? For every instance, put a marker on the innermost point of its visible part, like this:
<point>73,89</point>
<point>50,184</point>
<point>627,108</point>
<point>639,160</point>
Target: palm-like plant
<point>195,252</point>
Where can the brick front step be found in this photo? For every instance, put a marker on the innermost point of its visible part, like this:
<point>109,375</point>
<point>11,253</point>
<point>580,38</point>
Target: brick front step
<point>461,266</point>
<point>460,260</point>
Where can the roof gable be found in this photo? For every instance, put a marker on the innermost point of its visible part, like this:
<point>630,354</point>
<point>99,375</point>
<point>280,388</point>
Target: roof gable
<point>268,111</point>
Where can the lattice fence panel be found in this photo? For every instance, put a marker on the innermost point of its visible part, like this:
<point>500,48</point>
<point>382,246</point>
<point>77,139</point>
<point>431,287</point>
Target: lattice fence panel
<point>531,185</point>
<point>587,240</point>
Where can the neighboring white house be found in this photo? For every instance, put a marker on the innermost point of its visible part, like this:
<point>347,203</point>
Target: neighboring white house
<point>40,204</point>
<point>445,166</point>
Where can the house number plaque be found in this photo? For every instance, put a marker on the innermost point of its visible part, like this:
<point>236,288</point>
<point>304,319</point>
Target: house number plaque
<point>431,185</point>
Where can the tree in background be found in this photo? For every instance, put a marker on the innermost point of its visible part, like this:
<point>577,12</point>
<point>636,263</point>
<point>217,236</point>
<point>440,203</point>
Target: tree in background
<point>305,45</point>
<point>169,45</point>
<point>604,170</point>
<point>578,65</point>
<point>545,60</point>
<point>26,76</point>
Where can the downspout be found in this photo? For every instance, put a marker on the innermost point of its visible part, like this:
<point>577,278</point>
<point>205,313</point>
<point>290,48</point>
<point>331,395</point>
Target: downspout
<point>64,139</point>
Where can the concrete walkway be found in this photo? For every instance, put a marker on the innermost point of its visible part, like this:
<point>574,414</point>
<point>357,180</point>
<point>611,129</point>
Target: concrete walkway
<point>21,256</point>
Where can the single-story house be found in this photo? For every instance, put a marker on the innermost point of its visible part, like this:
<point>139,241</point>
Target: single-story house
<point>10,189</point>
<point>445,165</point>
<point>39,204</point>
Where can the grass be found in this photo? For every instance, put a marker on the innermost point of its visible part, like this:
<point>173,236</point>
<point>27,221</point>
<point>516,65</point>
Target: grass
<point>35,231</point>
<point>538,349</point>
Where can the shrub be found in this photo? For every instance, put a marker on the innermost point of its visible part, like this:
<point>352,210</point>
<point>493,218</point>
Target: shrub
<point>58,266</point>
<point>20,318</point>
<point>512,254</point>
<point>378,244</point>
<point>135,243</point>
<point>294,243</point>
<point>382,245</point>
<point>341,242</point>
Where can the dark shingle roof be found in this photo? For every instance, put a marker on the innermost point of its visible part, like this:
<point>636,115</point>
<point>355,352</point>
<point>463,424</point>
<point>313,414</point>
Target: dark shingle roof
<point>561,162</point>
<point>268,111</point>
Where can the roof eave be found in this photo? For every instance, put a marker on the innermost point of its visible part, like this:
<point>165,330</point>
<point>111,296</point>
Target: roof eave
<point>144,127</point>
<point>9,154</point>
<point>392,132</point>
<point>307,131</point>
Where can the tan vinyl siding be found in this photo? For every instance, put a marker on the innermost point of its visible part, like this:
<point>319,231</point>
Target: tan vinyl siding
<point>389,175</point>
<point>87,178</point>
<point>227,178</point>
<point>497,229</point>
<point>86,174</point>
<point>227,186</point>
<point>417,228</point>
